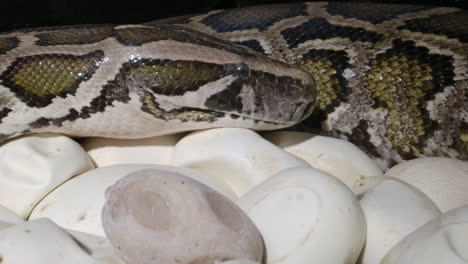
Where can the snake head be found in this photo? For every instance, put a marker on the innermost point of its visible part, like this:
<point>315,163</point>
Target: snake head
<point>199,78</point>
<point>280,96</point>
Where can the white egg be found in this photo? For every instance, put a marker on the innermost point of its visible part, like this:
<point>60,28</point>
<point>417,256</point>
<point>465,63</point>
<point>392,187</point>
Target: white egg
<point>98,246</point>
<point>393,209</point>
<point>338,157</point>
<point>306,216</point>
<point>443,180</point>
<point>43,242</point>
<point>243,261</point>
<point>8,218</point>
<point>32,166</point>
<point>109,151</point>
<point>442,240</point>
<point>239,157</point>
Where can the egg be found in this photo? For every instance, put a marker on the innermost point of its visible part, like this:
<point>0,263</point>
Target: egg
<point>393,209</point>
<point>306,215</point>
<point>443,180</point>
<point>159,216</point>
<point>338,157</point>
<point>32,166</point>
<point>239,157</point>
<point>41,241</point>
<point>111,151</point>
<point>442,240</point>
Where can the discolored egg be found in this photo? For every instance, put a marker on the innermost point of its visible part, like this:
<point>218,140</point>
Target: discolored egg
<point>157,216</point>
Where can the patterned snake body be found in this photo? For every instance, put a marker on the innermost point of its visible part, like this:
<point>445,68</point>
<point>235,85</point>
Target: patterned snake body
<point>393,79</point>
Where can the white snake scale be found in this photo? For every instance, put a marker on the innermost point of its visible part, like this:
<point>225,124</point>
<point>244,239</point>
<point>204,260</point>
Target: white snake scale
<point>393,79</point>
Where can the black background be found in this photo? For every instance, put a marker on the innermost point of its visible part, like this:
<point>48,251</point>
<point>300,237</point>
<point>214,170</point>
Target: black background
<point>17,14</point>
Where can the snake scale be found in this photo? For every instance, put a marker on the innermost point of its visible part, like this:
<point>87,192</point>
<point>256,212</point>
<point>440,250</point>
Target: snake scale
<point>393,79</point>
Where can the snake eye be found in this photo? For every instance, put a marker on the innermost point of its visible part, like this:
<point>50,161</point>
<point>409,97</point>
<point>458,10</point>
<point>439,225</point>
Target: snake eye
<point>242,70</point>
<point>239,69</point>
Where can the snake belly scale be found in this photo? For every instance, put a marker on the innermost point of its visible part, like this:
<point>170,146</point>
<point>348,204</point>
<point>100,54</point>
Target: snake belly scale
<point>393,79</point>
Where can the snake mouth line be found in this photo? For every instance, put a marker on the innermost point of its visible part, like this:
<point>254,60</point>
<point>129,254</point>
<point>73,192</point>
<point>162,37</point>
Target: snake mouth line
<point>299,112</point>
<point>256,120</point>
<point>215,115</point>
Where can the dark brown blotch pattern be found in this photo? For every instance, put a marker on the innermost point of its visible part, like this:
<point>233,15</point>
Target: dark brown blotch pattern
<point>45,122</point>
<point>257,17</point>
<point>320,28</point>
<point>167,77</point>
<point>74,36</point>
<point>4,113</point>
<point>462,142</point>
<point>8,43</point>
<point>137,36</point>
<point>184,114</point>
<point>452,25</point>
<point>372,12</point>
<point>253,44</point>
<point>37,80</point>
<point>227,100</point>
